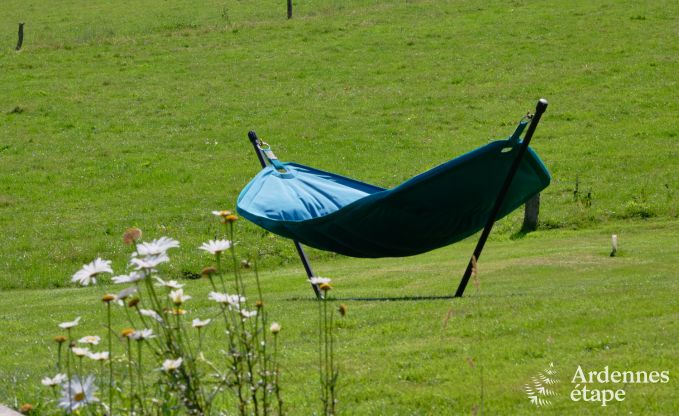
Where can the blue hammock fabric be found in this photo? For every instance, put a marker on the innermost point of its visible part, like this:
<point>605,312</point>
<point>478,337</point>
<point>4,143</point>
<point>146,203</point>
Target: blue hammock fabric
<point>439,207</point>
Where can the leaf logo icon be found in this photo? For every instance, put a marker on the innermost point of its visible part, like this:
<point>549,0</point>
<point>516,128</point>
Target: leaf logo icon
<point>538,390</point>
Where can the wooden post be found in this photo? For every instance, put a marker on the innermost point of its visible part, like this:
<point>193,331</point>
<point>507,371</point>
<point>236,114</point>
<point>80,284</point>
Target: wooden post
<point>530,214</point>
<point>289,9</point>
<point>21,36</point>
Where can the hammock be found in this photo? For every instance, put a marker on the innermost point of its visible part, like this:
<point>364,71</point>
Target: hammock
<point>441,206</point>
<point>438,207</point>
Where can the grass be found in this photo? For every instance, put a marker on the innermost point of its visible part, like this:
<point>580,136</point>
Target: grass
<point>553,296</point>
<point>113,117</point>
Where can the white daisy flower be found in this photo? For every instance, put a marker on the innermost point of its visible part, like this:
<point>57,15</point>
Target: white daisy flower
<point>319,280</point>
<point>88,274</point>
<point>233,300</point>
<point>275,328</point>
<point>172,284</point>
<point>80,352</point>
<point>134,276</point>
<point>171,365</point>
<point>124,294</point>
<point>215,246</point>
<point>98,356</point>
<point>156,247</point>
<point>67,325</point>
<point>197,323</point>
<point>178,296</point>
<point>142,334</point>
<point>247,314</point>
<point>78,394</point>
<point>151,314</point>
<point>149,262</point>
<point>90,339</point>
<point>54,381</point>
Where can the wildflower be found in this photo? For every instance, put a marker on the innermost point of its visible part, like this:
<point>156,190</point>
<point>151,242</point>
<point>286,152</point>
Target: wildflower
<point>259,304</point>
<point>98,356</point>
<point>319,280</point>
<point>78,393</point>
<point>208,271</point>
<point>125,293</point>
<point>151,314</point>
<point>127,332</point>
<point>149,262</point>
<point>80,352</point>
<point>156,247</point>
<point>343,309</point>
<point>133,302</point>
<point>142,335</point>
<point>222,215</point>
<point>90,339</point>
<point>68,325</point>
<point>131,235</point>
<point>60,339</point>
<point>215,246</point>
<point>275,328</point>
<point>178,297</point>
<point>197,323</point>
<point>231,218</point>
<point>176,311</point>
<point>134,276</point>
<point>108,297</point>
<point>88,274</point>
<point>54,381</point>
<point>26,408</point>
<point>172,284</point>
<point>247,314</point>
<point>233,300</point>
<point>171,365</point>
<point>245,263</point>
<point>325,287</point>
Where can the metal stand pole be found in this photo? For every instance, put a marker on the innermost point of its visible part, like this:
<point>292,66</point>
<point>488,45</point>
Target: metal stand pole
<point>541,107</point>
<point>300,250</point>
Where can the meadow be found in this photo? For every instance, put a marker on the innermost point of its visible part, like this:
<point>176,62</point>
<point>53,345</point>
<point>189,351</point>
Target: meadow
<point>118,114</point>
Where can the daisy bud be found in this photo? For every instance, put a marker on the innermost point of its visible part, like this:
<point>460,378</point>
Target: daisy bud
<point>343,309</point>
<point>108,298</point>
<point>131,235</point>
<point>208,271</point>
<point>259,304</point>
<point>245,264</point>
<point>275,328</point>
<point>133,302</point>
<point>60,339</point>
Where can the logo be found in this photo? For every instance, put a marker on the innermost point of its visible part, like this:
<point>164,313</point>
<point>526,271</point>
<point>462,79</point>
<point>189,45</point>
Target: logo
<point>540,389</point>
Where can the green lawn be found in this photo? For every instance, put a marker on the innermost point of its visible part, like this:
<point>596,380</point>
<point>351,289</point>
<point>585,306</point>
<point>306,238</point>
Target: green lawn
<point>118,114</point>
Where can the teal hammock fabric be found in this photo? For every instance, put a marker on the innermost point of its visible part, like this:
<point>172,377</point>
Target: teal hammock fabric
<point>439,207</point>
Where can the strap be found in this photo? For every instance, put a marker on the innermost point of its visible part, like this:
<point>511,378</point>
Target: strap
<point>271,157</point>
<point>514,138</point>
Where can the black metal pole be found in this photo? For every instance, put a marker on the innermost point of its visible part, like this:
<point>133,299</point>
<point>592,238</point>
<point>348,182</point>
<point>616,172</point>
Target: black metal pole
<point>300,250</point>
<point>541,107</point>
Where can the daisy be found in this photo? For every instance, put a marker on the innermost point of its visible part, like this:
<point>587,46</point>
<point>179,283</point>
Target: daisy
<point>128,278</point>
<point>90,339</point>
<point>151,314</point>
<point>197,323</point>
<point>319,280</point>
<point>178,296</point>
<point>88,274</point>
<point>78,393</point>
<point>149,262</point>
<point>247,314</point>
<point>216,246</point>
<point>233,300</point>
<point>171,365</point>
<point>69,325</point>
<point>54,381</point>
<point>275,328</point>
<point>156,247</point>
<point>142,334</point>
<point>124,294</point>
<point>98,356</point>
<point>80,352</point>
<point>172,284</point>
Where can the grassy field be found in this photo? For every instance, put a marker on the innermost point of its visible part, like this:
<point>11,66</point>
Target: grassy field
<point>118,114</point>
<point>553,296</point>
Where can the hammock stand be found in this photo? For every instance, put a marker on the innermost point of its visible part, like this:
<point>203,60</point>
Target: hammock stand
<point>268,160</point>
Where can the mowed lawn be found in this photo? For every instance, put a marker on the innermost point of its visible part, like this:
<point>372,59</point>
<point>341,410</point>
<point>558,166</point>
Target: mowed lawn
<point>550,297</point>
